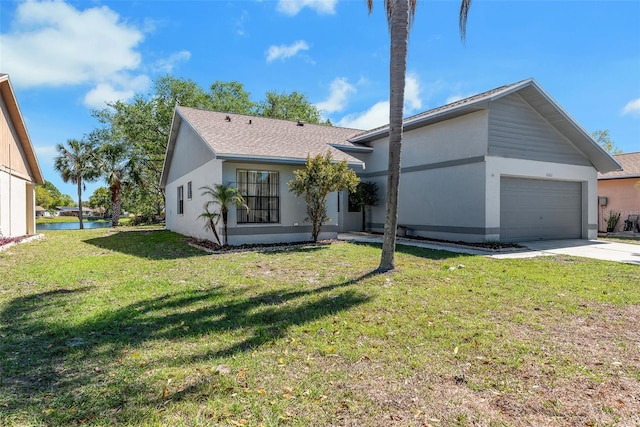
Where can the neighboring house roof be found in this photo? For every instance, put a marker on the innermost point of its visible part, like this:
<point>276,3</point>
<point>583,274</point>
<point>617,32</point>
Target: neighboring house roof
<point>630,167</point>
<point>6,91</point>
<point>535,96</point>
<point>72,209</point>
<point>244,137</point>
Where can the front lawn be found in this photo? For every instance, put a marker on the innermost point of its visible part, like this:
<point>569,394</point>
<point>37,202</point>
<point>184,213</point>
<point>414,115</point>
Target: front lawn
<point>134,327</point>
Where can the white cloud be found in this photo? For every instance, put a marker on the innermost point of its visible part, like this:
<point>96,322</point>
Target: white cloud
<point>166,65</point>
<point>45,154</point>
<point>240,23</point>
<point>412,100</point>
<point>67,46</point>
<point>340,89</point>
<point>632,108</point>
<point>377,115</point>
<point>283,51</point>
<point>292,7</point>
<point>453,98</point>
<point>118,89</point>
<point>71,47</point>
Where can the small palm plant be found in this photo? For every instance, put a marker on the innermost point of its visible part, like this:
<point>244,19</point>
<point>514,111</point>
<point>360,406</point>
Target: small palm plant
<point>211,219</point>
<point>223,195</point>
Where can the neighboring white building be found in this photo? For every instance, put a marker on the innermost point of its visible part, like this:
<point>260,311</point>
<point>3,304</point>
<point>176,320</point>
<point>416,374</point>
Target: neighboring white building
<point>73,211</point>
<point>19,169</point>
<point>505,165</point>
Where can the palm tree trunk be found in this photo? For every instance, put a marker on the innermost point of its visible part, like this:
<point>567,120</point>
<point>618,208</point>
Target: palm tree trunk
<point>399,29</point>
<point>225,215</point>
<point>115,204</point>
<point>80,202</point>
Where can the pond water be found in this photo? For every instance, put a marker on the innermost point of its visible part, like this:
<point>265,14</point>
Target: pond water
<point>72,225</point>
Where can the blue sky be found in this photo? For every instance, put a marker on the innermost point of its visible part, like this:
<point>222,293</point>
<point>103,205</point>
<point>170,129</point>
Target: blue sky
<point>65,58</point>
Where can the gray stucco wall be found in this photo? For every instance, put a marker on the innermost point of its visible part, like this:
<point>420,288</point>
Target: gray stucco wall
<point>189,153</point>
<point>442,183</point>
<point>517,131</point>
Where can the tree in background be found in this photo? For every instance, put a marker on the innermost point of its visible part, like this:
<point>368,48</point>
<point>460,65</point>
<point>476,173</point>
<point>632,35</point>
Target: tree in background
<point>144,125</point>
<point>100,200</point>
<point>400,15</point>
<point>294,106</point>
<point>222,195</point>
<point>366,194</point>
<point>76,163</point>
<point>602,137</point>
<point>65,200</point>
<point>44,198</point>
<point>49,197</point>
<point>321,176</point>
<point>117,166</point>
<point>230,97</point>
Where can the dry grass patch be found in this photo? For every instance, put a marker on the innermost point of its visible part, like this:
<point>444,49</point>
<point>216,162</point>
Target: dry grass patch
<point>135,327</point>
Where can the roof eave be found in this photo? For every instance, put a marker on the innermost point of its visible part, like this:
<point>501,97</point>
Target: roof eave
<point>276,160</point>
<point>6,90</point>
<point>176,121</point>
<point>352,148</point>
<point>604,178</point>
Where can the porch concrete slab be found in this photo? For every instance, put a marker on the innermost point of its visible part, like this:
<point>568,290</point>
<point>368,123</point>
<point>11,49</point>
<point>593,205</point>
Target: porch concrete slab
<point>597,249</point>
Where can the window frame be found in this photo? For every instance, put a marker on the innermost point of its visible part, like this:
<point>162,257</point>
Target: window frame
<point>189,191</point>
<point>264,206</point>
<point>181,200</point>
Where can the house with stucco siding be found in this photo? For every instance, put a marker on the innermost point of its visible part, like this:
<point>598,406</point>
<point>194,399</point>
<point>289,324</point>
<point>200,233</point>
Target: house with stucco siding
<point>508,164</point>
<point>619,191</point>
<point>19,169</point>
<point>256,154</point>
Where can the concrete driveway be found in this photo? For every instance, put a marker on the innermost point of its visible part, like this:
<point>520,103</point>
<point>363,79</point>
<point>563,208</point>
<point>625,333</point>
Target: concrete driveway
<point>596,249</point>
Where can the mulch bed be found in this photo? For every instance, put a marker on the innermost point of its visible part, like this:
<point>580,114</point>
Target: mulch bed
<point>213,247</point>
<point>210,246</point>
<point>6,241</point>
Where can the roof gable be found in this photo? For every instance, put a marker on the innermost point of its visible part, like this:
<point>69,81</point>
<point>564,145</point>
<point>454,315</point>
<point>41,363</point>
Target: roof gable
<point>9,98</point>
<point>530,92</point>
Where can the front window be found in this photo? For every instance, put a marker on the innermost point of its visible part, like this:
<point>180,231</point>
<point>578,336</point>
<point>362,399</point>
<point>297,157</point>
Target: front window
<point>180,200</point>
<point>261,193</point>
<point>189,191</point>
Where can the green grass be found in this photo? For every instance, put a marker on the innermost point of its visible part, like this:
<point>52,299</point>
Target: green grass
<point>56,219</point>
<point>621,239</point>
<point>135,327</point>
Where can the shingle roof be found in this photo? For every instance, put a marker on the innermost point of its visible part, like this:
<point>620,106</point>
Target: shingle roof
<point>630,167</point>
<point>237,135</point>
<point>452,106</point>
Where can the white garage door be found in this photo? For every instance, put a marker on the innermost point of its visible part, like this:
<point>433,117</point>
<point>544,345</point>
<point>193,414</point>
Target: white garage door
<point>538,209</point>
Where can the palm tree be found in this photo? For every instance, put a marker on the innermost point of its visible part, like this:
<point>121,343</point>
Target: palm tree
<point>77,163</point>
<point>400,15</point>
<point>223,195</point>
<point>211,219</point>
<point>117,166</point>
